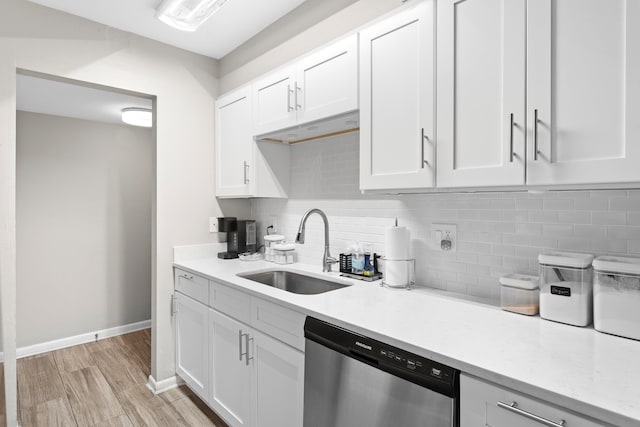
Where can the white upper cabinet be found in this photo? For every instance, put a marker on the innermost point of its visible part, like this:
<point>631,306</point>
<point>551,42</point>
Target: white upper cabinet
<point>234,141</point>
<point>244,167</point>
<point>582,86</point>
<point>499,60</point>
<point>275,101</point>
<point>481,93</point>
<point>317,86</point>
<point>397,116</point>
<point>327,81</point>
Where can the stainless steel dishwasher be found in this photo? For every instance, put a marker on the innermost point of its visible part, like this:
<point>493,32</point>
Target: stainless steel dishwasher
<point>351,380</point>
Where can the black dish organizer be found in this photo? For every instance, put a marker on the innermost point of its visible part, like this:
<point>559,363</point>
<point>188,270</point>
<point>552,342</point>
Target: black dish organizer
<point>345,269</point>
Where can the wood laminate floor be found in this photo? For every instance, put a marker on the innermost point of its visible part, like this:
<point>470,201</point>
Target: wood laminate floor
<point>102,384</point>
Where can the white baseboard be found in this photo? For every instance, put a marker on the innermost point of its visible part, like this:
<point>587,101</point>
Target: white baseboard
<point>158,387</point>
<point>79,339</point>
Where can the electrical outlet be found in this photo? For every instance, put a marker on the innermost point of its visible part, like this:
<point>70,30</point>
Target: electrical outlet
<point>273,220</point>
<point>213,224</point>
<point>444,237</point>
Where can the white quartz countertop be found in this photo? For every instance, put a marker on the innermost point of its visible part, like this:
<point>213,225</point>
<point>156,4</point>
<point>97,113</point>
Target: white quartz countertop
<point>578,368</point>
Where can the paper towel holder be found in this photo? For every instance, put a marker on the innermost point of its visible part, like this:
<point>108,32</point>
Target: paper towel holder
<point>410,265</point>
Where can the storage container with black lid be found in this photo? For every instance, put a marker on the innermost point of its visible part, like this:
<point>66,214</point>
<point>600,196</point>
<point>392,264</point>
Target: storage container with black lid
<point>566,287</point>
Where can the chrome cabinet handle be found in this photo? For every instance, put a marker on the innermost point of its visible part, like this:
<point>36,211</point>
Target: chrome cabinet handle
<point>246,166</point>
<point>289,107</point>
<point>240,353</point>
<point>422,139</point>
<point>535,134</point>
<point>511,126</point>
<point>246,343</point>
<point>185,276</point>
<point>297,89</point>
<point>514,408</point>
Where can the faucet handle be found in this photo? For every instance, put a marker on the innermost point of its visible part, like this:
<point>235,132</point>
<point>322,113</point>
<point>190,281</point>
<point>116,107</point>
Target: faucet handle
<point>331,260</point>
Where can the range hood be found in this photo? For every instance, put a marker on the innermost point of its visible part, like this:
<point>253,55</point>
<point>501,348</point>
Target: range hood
<point>336,125</point>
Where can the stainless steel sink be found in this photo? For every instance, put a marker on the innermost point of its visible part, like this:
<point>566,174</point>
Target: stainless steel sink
<point>294,282</point>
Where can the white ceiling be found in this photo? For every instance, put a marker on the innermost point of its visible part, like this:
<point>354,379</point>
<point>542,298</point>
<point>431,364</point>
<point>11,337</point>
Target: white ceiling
<point>236,22</point>
<point>45,96</point>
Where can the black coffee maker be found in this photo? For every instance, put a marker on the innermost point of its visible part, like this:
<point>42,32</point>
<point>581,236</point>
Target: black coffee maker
<point>241,236</point>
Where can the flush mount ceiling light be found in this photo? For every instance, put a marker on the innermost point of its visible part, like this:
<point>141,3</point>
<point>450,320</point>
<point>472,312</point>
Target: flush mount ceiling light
<point>137,117</point>
<point>187,15</point>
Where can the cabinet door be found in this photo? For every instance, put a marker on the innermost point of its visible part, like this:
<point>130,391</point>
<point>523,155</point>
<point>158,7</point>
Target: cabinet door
<point>327,81</point>
<point>234,144</point>
<point>230,375</point>
<point>278,383</point>
<point>481,93</point>
<point>274,101</point>
<point>397,117</point>
<point>583,90</point>
<point>192,339</point>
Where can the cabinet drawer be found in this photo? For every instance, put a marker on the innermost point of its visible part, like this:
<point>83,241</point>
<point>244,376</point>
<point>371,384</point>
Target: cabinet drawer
<point>231,302</point>
<point>483,404</point>
<point>189,284</point>
<point>279,322</point>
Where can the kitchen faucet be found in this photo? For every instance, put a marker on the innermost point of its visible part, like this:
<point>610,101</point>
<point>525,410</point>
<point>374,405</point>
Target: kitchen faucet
<point>327,259</point>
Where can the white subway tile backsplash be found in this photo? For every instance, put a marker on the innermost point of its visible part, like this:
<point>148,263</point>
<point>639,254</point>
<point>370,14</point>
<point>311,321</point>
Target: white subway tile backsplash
<point>498,232</point>
<point>529,204</point>
<point>621,204</point>
<point>557,230</point>
<point>574,217</point>
<point>557,204</point>
<point>609,218</point>
<point>623,232</point>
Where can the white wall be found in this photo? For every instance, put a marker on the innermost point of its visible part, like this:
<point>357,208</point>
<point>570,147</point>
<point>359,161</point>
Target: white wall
<point>83,226</point>
<point>185,86</point>
<point>296,35</point>
<point>498,233</point>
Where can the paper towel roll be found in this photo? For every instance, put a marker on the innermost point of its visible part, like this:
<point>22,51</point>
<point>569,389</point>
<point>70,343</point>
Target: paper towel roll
<point>396,243</point>
<point>396,273</point>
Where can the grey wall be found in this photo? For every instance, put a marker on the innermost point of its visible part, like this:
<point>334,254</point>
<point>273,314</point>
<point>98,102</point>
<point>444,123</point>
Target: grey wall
<point>83,226</point>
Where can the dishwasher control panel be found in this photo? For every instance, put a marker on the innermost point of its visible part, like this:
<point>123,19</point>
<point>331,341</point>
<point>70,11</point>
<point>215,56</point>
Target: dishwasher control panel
<point>417,364</point>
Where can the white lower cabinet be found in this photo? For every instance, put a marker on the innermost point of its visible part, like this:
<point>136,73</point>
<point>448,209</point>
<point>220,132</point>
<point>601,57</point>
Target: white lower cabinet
<point>230,394</point>
<point>278,383</point>
<point>485,404</point>
<point>240,354</point>
<point>256,380</point>
<point>192,349</point>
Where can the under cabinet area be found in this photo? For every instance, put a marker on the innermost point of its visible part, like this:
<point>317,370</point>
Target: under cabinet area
<point>530,93</point>
<point>320,85</point>
<point>397,101</point>
<point>240,354</point>
<point>486,404</point>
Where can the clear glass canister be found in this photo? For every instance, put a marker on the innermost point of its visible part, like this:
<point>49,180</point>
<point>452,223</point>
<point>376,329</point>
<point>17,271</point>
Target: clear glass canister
<point>269,241</point>
<point>519,293</point>
<point>616,296</point>
<point>566,287</point>
<point>284,253</point>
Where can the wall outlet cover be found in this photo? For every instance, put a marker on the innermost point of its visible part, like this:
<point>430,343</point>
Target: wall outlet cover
<point>213,224</point>
<point>444,237</point>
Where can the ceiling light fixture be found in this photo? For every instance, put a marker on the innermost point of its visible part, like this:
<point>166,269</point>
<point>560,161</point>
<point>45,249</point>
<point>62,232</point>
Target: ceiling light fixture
<point>137,116</point>
<point>187,15</point>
